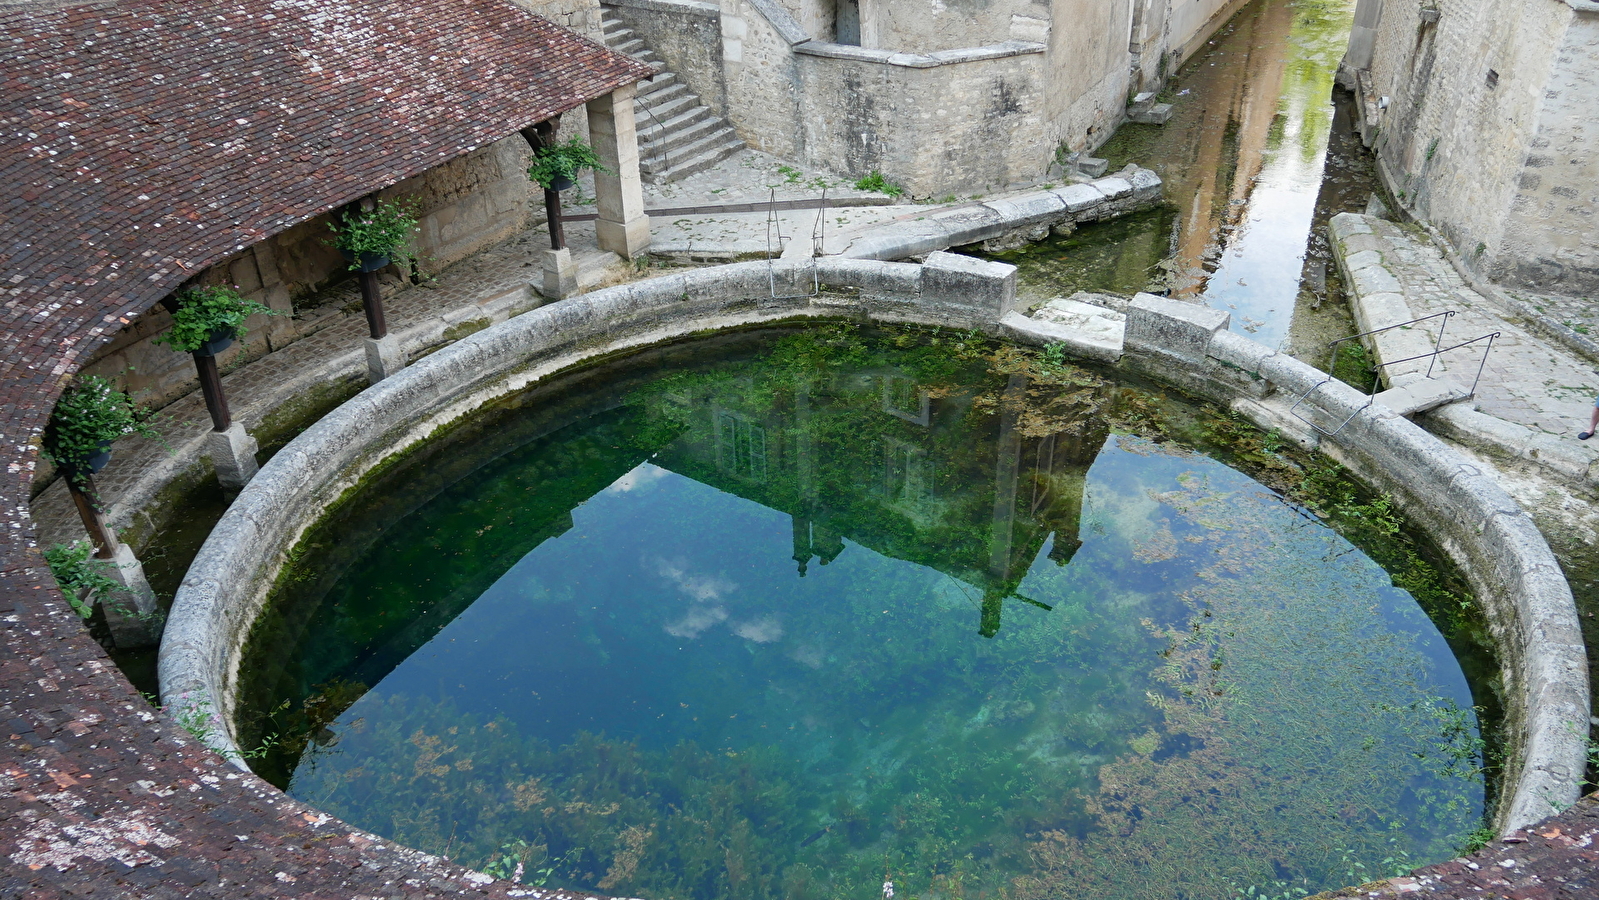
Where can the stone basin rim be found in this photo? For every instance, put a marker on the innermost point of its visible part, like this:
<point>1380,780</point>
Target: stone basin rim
<point>1513,572</point>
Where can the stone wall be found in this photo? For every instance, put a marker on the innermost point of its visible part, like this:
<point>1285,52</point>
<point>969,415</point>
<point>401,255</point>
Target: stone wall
<point>925,26</point>
<point>465,205</point>
<point>942,96</point>
<point>968,121</point>
<point>1089,76</point>
<point>1551,236</point>
<point>763,76</point>
<point>1481,115</point>
<point>687,33</point>
<point>581,16</point>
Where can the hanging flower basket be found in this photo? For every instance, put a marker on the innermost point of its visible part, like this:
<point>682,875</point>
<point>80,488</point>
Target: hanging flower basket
<point>208,319</point>
<point>371,239</point>
<point>217,341</point>
<point>90,415</point>
<point>555,168</point>
<point>366,260</point>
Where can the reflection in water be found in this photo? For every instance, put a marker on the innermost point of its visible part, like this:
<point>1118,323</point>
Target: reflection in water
<point>1243,160</point>
<point>820,611</point>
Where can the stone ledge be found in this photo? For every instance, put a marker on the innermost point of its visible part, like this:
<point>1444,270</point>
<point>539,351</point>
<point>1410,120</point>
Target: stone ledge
<point>941,229</point>
<point>681,7</point>
<point>933,60</point>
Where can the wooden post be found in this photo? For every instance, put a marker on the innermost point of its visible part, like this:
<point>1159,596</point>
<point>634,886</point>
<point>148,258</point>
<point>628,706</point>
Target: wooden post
<point>86,498</point>
<point>552,214</point>
<point>538,137</point>
<point>372,302</point>
<point>216,402</point>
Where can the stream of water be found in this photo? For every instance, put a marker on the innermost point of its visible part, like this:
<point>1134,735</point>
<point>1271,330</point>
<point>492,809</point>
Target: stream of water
<point>1258,155</point>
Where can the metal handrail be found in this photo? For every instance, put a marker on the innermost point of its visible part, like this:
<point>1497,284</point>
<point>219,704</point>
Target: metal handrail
<point>818,234</point>
<point>1438,349</point>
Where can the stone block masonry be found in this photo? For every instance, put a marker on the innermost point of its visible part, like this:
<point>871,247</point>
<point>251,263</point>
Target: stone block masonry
<point>1481,115</point>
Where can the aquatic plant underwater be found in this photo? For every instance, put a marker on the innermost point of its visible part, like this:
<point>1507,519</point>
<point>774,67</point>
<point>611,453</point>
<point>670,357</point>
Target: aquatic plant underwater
<point>831,607</point>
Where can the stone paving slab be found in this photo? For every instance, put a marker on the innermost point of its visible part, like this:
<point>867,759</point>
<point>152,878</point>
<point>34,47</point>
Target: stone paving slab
<point>1528,381</point>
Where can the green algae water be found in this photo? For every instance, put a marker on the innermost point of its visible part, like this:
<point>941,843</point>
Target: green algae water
<point>799,613</point>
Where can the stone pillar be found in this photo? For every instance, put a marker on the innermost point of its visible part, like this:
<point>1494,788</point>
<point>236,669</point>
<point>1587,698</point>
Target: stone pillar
<point>623,227</point>
<point>560,274</point>
<point>233,454</point>
<point>384,357</point>
<point>134,621</point>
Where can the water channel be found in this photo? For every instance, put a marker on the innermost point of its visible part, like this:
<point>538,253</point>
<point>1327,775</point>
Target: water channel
<point>1259,154</point>
<point>822,609</point>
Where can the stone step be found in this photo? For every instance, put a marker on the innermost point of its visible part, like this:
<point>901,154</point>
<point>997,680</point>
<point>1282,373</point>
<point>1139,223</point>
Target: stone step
<point>658,83</point>
<point>677,134</point>
<point>629,45</point>
<point>656,99</point>
<point>650,130</point>
<point>1277,413</point>
<point>673,141</point>
<point>1420,394</point>
<point>699,161</point>
<point>654,110</point>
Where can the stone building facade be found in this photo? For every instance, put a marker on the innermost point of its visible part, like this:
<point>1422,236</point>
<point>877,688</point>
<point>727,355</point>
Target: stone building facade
<point>941,96</point>
<point>1482,116</point>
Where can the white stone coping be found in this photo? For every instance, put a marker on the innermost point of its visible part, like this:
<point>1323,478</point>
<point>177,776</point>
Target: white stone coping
<point>918,60</point>
<point>940,228</point>
<point>788,28</point>
<point>1517,580</point>
<point>680,7</point>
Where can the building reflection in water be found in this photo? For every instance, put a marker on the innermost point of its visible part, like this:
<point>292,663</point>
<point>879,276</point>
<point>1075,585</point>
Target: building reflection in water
<point>962,482</point>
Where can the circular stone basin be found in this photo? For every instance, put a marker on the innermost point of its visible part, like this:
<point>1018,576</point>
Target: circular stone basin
<point>795,613</point>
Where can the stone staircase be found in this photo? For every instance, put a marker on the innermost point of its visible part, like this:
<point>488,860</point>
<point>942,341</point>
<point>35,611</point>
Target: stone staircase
<point>677,134</point>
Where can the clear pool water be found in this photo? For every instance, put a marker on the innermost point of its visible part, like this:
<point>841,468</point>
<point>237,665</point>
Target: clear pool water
<point>792,614</point>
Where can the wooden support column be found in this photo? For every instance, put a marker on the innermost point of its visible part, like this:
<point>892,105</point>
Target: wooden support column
<point>216,402</point>
<point>231,448</point>
<point>86,497</point>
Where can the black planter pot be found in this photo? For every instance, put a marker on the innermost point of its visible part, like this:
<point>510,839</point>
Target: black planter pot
<point>218,341</point>
<point>370,262</point>
<point>91,464</point>
<point>562,183</point>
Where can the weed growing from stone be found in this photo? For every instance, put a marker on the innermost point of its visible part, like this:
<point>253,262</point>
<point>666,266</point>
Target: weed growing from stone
<point>83,579</point>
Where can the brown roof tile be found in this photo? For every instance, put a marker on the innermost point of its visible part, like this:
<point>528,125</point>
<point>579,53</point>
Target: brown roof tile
<point>139,143</point>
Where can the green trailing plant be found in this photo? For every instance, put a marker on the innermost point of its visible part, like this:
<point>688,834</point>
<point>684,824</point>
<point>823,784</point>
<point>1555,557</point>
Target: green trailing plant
<point>384,230</point>
<point>195,715</point>
<point>204,311</point>
<point>89,416</point>
<point>875,181</point>
<point>564,160</point>
<point>82,578</point>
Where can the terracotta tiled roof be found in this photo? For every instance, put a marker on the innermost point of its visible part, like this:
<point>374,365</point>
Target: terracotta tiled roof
<point>141,141</point>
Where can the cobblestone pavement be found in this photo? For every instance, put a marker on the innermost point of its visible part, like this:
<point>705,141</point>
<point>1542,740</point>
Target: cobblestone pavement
<point>1526,380</point>
<point>1557,859</point>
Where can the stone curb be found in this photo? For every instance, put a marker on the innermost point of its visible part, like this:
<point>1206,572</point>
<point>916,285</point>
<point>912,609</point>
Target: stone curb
<point>1379,300</point>
<point>1127,191</point>
<point>1516,578</point>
